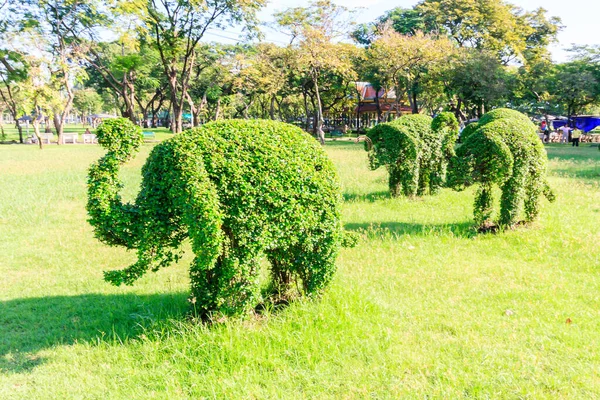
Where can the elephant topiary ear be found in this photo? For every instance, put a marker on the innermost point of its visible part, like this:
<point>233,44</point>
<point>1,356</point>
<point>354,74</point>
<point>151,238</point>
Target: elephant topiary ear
<point>121,137</point>
<point>492,159</point>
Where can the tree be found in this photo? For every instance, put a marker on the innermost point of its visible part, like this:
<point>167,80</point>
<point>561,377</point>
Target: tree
<point>13,72</point>
<point>491,25</point>
<point>315,28</point>
<point>57,27</point>
<point>87,101</point>
<point>575,86</point>
<point>406,21</point>
<point>401,61</point>
<point>479,82</point>
<point>176,27</point>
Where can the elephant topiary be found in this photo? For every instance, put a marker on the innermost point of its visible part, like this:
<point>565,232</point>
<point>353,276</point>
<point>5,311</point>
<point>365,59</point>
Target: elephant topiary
<point>415,150</point>
<point>504,150</point>
<point>239,190</point>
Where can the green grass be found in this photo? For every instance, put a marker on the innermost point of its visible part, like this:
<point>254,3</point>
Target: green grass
<point>12,135</point>
<point>423,307</point>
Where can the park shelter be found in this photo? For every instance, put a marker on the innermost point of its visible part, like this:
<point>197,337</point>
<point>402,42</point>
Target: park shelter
<point>369,97</point>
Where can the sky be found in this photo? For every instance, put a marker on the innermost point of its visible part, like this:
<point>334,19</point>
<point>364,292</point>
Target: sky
<point>581,19</point>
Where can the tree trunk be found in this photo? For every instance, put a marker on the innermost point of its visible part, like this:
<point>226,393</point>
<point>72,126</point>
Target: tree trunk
<point>36,131</point>
<point>217,109</point>
<point>58,125</point>
<point>412,99</point>
<point>305,109</point>
<point>47,125</point>
<point>272,108</point>
<point>377,106</point>
<point>20,129</point>
<point>177,123</point>
<point>319,109</point>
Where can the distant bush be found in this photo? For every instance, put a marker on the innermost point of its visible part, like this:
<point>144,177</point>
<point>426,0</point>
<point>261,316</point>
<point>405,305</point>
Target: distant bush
<point>238,189</point>
<point>504,150</point>
<point>415,150</point>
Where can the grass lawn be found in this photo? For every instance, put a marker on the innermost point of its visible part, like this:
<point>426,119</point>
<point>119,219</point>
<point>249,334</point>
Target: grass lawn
<point>422,308</point>
<point>12,135</point>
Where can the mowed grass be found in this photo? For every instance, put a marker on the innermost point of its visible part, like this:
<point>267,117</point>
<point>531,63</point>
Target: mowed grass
<point>11,134</point>
<point>423,307</point>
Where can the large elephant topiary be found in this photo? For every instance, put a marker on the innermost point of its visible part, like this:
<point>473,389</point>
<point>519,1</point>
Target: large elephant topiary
<point>503,150</point>
<point>415,150</point>
<point>239,190</point>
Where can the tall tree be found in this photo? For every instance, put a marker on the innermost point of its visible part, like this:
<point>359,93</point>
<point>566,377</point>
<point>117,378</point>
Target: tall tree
<point>13,72</point>
<point>61,24</point>
<point>401,61</point>
<point>315,29</point>
<point>491,25</point>
<point>176,27</point>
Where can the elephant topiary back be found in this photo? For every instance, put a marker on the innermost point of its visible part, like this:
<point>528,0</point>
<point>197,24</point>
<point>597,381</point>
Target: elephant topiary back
<point>240,190</point>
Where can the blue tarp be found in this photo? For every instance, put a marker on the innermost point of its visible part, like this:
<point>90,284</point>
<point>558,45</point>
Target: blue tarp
<point>586,124</point>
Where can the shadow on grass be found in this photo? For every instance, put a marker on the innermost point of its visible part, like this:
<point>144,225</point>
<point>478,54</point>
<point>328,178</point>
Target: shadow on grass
<point>30,325</point>
<point>368,197</point>
<point>590,173</point>
<point>376,230</point>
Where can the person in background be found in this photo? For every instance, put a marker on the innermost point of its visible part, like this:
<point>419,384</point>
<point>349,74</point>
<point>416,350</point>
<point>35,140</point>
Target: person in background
<point>575,136</point>
<point>546,131</point>
<point>565,133</point>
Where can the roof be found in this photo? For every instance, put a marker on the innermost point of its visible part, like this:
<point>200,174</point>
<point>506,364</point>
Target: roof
<point>366,91</point>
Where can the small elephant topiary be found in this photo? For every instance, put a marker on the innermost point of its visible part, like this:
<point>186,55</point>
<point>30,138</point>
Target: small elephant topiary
<point>503,150</point>
<point>415,149</point>
<point>239,190</point>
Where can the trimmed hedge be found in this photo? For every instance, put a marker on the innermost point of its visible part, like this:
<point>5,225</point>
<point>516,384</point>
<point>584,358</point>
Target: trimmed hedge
<point>504,150</point>
<point>468,131</point>
<point>415,150</point>
<point>238,189</point>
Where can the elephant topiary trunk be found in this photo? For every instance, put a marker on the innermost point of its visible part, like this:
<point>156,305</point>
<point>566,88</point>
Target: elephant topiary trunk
<point>503,150</point>
<point>239,190</point>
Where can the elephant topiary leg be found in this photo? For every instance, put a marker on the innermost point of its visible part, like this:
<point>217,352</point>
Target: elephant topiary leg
<point>437,177</point>
<point>316,263</point>
<point>282,270</point>
<point>533,194</point>
<point>395,181</point>
<point>484,203</point>
<point>410,178</point>
<point>512,198</point>
<point>424,182</point>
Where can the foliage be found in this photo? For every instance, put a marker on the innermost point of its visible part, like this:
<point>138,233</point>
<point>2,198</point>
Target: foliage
<point>504,150</point>
<point>406,21</point>
<point>491,25</point>
<point>468,131</point>
<point>479,80</point>
<point>317,28</point>
<point>238,189</point>
<point>401,61</point>
<point>415,150</point>
<point>87,101</point>
<point>175,29</point>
